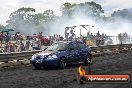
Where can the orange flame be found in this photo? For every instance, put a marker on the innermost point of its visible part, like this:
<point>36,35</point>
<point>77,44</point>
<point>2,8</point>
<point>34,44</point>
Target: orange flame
<point>81,70</point>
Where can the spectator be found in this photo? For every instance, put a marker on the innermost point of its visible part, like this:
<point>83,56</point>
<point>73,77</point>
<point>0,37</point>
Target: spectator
<point>35,45</point>
<point>22,47</point>
<point>7,37</point>
<point>120,38</point>
<point>27,45</point>
<point>12,47</point>
<point>6,47</point>
<point>1,37</point>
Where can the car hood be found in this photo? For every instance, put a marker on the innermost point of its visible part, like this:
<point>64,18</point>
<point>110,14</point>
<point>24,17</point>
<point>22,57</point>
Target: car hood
<point>46,53</point>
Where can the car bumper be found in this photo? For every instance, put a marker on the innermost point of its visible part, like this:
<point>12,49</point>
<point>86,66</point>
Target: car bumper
<point>46,64</point>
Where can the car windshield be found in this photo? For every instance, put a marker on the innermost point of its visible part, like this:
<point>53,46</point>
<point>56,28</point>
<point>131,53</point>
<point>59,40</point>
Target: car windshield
<point>57,47</point>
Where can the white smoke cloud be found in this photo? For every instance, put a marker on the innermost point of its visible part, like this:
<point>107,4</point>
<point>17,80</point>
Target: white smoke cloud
<point>8,6</point>
<point>111,5</point>
<point>110,28</point>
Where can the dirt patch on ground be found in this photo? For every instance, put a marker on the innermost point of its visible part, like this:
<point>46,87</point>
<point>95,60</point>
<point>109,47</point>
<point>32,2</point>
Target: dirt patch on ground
<point>26,77</point>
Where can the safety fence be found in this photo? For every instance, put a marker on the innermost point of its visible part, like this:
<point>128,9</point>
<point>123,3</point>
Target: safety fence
<point>22,58</point>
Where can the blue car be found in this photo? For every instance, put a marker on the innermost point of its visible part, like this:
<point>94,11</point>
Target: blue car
<point>61,54</point>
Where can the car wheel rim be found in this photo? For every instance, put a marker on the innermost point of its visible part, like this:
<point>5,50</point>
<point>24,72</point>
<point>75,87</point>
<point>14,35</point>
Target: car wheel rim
<point>88,60</point>
<point>63,64</point>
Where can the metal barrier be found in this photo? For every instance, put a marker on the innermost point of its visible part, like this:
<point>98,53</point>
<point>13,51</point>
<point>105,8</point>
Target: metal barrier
<point>4,57</point>
<point>18,58</point>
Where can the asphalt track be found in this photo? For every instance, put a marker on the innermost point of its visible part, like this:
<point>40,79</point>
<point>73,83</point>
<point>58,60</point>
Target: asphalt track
<point>26,77</point>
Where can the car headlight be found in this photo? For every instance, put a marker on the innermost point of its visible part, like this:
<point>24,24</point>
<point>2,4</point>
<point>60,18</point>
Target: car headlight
<point>33,57</point>
<point>52,57</point>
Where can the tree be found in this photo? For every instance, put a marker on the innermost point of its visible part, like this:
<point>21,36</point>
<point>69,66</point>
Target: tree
<point>66,8</point>
<point>87,9</point>
<point>25,18</point>
<point>45,17</point>
<point>2,27</point>
<point>20,17</point>
<point>124,14</point>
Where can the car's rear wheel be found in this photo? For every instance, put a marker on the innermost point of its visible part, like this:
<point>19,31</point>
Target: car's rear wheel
<point>62,63</point>
<point>87,60</point>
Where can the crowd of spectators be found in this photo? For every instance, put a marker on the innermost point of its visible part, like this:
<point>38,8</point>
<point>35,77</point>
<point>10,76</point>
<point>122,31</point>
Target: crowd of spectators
<point>95,38</point>
<point>124,38</point>
<point>18,42</point>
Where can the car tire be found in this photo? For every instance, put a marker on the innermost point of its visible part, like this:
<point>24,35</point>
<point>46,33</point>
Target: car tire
<point>87,60</point>
<point>37,67</point>
<point>62,63</point>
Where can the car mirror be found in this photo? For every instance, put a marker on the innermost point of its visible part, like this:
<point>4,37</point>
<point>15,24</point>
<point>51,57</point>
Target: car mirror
<point>71,49</point>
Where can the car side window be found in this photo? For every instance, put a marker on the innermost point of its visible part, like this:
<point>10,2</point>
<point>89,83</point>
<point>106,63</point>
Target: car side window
<point>75,46</point>
<point>81,45</point>
<point>70,46</point>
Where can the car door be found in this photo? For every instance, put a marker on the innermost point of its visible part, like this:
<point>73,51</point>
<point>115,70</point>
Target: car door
<point>70,53</point>
<point>82,51</point>
<point>76,52</point>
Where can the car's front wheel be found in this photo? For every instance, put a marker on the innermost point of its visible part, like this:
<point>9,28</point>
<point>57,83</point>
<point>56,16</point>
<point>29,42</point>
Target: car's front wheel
<point>62,63</point>
<point>37,67</point>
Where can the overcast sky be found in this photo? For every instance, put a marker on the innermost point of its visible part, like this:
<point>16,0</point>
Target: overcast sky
<point>8,6</point>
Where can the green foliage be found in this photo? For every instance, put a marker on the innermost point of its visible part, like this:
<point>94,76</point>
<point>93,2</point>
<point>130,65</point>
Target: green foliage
<point>26,10</point>
<point>20,17</point>
<point>66,9</point>
<point>125,14</point>
<point>2,27</point>
<point>87,9</point>
<point>27,17</point>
